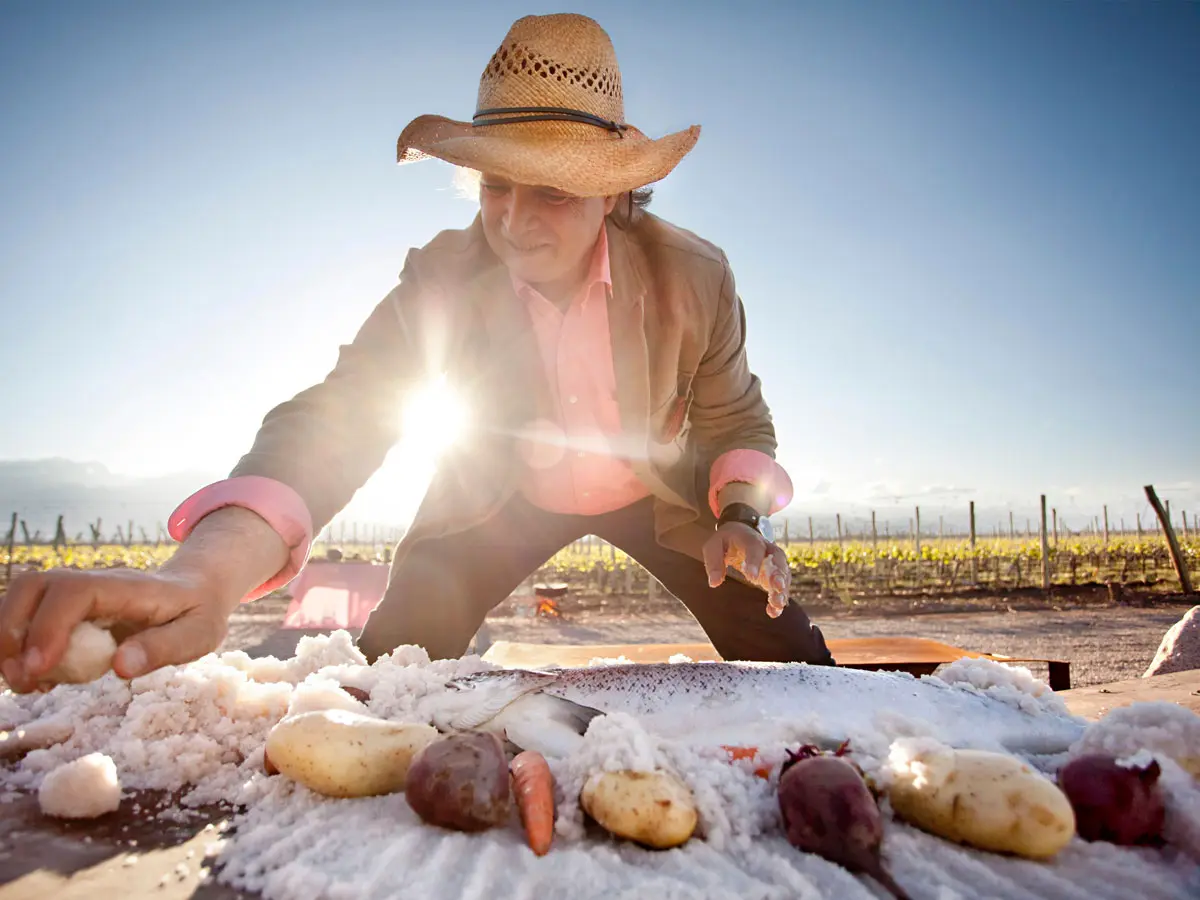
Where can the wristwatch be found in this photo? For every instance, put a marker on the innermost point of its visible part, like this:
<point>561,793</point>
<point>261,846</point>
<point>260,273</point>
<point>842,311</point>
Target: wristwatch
<point>747,515</point>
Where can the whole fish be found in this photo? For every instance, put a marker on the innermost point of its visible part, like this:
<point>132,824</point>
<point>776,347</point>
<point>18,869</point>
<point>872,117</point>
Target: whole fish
<point>743,704</point>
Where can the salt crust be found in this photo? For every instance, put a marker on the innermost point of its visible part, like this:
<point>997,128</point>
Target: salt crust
<point>201,727</point>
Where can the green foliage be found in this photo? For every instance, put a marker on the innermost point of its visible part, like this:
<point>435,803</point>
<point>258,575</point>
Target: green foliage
<point>997,562</point>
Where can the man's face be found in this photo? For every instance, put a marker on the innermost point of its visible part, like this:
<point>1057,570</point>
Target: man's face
<point>543,236</point>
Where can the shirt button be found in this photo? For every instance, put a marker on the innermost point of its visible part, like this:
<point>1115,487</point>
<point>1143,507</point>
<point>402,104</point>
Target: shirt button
<point>572,399</point>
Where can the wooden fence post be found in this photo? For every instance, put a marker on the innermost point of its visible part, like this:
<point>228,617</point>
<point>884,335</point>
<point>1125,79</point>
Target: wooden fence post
<point>874,536</point>
<point>1139,526</point>
<point>1054,511</point>
<point>1045,550</point>
<point>1185,580</point>
<point>974,562</point>
<point>1106,523</point>
<point>1011,531</point>
<point>1183,515</point>
<point>811,538</point>
<point>839,528</point>
<point>917,532</point>
<point>12,534</point>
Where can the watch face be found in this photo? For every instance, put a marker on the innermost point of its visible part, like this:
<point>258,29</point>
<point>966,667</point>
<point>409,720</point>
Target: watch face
<point>765,529</point>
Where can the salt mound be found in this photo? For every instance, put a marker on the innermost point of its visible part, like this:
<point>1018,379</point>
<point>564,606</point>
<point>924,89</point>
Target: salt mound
<point>1014,685</point>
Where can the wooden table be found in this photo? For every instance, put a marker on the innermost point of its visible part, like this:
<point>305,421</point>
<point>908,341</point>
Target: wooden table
<point>1094,701</point>
<point>48,859</point>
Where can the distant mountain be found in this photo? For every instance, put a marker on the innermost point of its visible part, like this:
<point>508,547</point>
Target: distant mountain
<point>41,490</point>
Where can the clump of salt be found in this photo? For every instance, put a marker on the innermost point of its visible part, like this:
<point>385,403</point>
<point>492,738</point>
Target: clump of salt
<point>83,789</point>
<point>1014,685</point>
<point>1165,729</point>
<point>89,654</point>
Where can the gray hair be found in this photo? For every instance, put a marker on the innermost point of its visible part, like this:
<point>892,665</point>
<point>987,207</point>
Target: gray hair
<point>628,211</point>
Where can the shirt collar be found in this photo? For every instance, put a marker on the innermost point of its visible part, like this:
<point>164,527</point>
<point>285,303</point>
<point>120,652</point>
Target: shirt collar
<point>599,272</point>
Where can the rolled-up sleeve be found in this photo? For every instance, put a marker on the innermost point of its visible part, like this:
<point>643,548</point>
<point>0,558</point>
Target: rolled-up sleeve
<point>275,502</point>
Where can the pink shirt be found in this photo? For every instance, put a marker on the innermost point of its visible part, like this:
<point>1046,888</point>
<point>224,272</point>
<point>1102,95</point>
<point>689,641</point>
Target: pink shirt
<point>570,468</point>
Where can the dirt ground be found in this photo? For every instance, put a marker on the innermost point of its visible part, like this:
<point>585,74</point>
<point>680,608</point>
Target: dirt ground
<point>1104,638</point>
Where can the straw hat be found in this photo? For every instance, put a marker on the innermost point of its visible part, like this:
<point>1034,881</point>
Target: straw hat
<point>550,112</point>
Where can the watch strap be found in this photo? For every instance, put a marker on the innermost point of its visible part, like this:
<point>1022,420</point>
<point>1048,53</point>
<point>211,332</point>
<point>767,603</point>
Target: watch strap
<point>740,512</point>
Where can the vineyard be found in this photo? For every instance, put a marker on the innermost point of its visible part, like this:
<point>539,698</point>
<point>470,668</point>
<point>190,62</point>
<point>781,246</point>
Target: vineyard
<point>847,568</point>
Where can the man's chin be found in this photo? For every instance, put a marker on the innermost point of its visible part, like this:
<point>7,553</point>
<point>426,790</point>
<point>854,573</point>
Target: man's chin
<point>531,274</point>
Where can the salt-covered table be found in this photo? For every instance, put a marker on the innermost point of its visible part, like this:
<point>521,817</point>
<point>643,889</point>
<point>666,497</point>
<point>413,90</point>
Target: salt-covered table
<point>42,859</point>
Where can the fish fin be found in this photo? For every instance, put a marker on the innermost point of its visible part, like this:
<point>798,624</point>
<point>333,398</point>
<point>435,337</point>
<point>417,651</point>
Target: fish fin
<point>553,726</point>
<point>475,715</point>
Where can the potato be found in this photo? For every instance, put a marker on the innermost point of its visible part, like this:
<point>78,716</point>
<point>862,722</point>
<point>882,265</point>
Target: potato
<point>461,782</point>
<point>987,800</point>
<point>652,808</point>
<point>344,754</point>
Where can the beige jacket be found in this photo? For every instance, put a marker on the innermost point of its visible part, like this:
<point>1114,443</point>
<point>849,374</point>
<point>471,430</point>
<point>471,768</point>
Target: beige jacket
<point>684,388</point>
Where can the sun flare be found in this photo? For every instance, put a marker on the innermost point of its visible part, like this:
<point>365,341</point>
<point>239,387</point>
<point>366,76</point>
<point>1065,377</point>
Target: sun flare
<point>434,419</point>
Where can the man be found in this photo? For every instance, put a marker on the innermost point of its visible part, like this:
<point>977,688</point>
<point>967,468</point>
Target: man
<point>601,352</point>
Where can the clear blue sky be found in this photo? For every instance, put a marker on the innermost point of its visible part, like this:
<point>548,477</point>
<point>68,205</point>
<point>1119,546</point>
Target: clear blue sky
<point>966,232</point>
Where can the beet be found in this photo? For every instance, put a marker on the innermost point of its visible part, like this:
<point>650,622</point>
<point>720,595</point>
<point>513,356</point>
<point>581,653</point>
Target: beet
<point>1114,803</point>
<point>828,810</point>
<point>357,693</point>
<point>460,782</point>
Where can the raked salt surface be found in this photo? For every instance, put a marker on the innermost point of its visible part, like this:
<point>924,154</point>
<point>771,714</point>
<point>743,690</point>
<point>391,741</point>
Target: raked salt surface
<point>201,727</point>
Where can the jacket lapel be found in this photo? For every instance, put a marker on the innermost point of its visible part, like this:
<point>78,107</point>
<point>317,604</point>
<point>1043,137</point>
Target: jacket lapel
<point>511,372</point>
<point>627,327</point>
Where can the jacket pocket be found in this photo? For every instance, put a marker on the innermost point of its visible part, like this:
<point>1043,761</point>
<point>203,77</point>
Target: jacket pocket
<point>671,423</point>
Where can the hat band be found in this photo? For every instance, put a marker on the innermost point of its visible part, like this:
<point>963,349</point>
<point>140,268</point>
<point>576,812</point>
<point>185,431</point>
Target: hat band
<point>514,114</point>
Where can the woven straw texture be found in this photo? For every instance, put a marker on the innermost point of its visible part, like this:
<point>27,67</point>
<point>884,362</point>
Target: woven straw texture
<point>565,61</point>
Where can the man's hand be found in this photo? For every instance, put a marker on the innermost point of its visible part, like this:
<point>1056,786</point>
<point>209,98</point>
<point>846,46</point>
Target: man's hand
<point>168,617</point>
<point>762,563</point>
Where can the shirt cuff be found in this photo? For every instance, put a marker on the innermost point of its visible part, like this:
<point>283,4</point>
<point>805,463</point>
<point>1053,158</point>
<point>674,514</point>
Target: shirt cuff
<point>277,503</point>
<point>750,467</point>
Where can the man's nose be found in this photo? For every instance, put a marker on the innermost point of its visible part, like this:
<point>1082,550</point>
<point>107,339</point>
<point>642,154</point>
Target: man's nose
<point>519,212</point>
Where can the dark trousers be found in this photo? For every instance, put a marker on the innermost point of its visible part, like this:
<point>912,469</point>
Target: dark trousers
<point>440,593</point>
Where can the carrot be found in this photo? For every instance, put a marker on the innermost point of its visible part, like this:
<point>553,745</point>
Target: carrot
<point>533,787</point>
<point>736,753</point>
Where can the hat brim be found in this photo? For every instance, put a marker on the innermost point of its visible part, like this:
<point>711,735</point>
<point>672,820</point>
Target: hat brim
<point>584,161</point>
